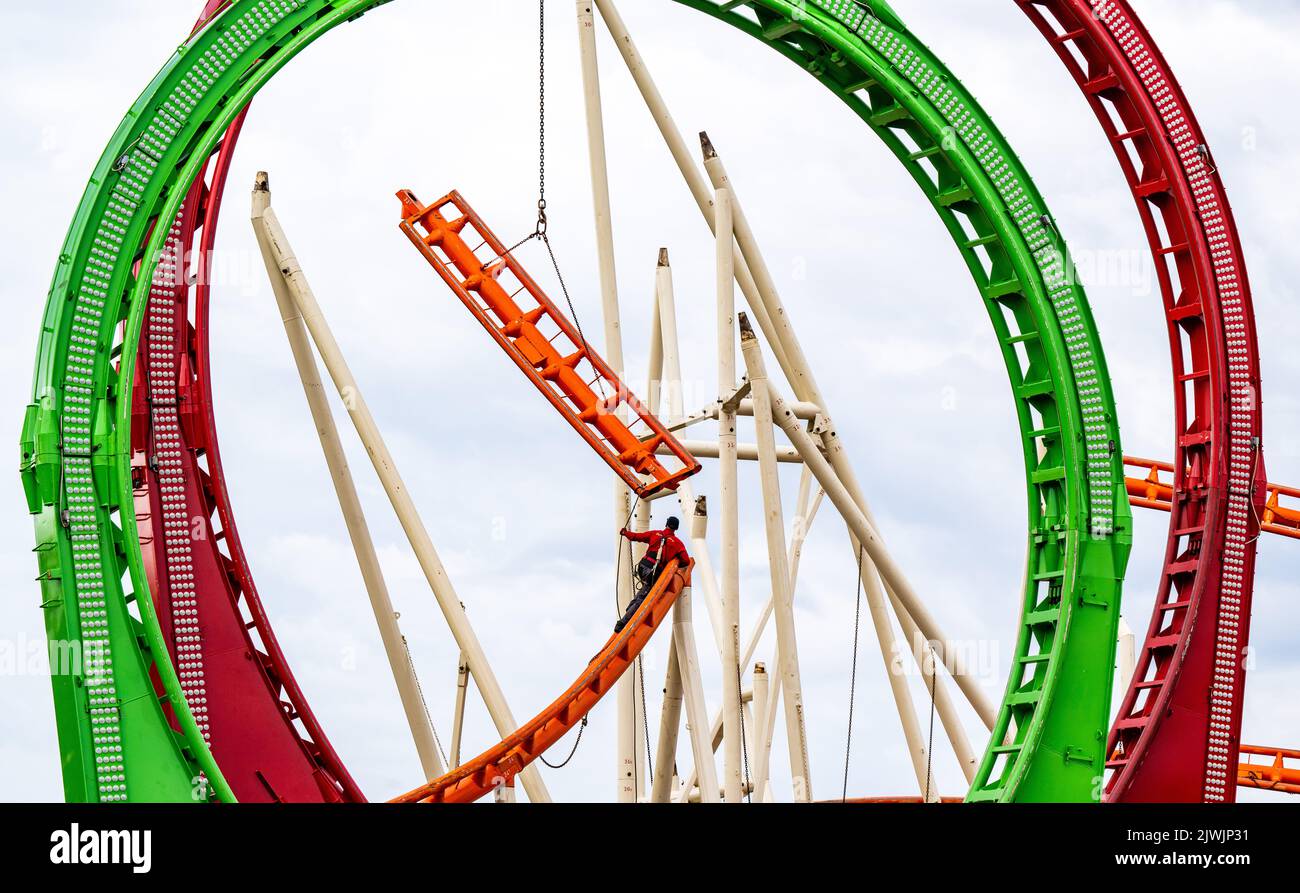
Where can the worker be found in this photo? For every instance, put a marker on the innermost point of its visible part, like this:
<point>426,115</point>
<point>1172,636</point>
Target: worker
<point>662,547</point>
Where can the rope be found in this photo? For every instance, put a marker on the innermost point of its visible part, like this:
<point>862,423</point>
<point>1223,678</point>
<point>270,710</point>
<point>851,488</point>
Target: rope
<point>582,728</point>
<point>929,753</point>
<point>645,716</point>
<point>410,662</point>
<point>853,678</point>
<point>744,744</point>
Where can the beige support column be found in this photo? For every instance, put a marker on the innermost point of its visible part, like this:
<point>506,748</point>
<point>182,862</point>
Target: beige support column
<point>695,180</point>
<point>729,498</point>
<point>670,720</point>
<point>372,574</point>
<point>800,375</point>
<point>783,606</point>
<point>458,718</point>
<point>398,495</point>
<point>697,711</point>
<point>628,758</point>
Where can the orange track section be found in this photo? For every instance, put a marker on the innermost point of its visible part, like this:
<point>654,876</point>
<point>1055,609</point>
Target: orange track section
<point>498,767</point>
<point>1274,776</point>
<point>1149,487</point>
<point>552,361</point>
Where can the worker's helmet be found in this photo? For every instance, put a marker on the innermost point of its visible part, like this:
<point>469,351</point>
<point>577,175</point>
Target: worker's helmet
<point>673,523</point>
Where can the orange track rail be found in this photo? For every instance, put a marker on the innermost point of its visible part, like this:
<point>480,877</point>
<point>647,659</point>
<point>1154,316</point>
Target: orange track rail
<point>1276,776</point>
<point>553,369</point>
<point>1151,488</point>
<point>498,766</point>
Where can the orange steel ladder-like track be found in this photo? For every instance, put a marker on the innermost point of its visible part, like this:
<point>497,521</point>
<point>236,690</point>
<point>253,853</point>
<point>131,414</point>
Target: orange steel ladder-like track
<point>498,766</point>
<point>1149,488</point>
<point>1275,776</point>
<point>519,332</point>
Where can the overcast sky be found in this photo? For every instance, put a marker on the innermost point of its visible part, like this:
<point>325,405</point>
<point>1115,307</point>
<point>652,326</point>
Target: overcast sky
<point>409,97</point>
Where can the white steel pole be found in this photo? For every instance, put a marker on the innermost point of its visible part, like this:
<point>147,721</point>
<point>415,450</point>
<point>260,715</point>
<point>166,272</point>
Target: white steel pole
<point>670,720</point>
<point>864,534</point>
<point>745,452</point>
<point>627,762</point>
<point>363,545</point>
<point>671,712</point>
<point>728,495</point>
<point>762,704</point>
<point>798,535</point>
<point>967,759</point>
<point>697,711</point>
<point>695,180</point>
<point>398,495</point>
<point>806,389</point>
<point>693,511</point>
<point>458,718</point>
<point>783,606</point>
<point>760,304</point>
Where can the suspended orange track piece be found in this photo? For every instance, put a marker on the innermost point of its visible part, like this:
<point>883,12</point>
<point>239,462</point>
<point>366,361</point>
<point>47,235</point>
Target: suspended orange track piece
<point>493,290</point>
<point>498,767</point>
<point>1149,487</point>
<point>1274,776</point>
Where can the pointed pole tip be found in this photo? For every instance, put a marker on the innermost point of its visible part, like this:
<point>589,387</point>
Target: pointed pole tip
<point>663,257</point>
<point>707,145</point>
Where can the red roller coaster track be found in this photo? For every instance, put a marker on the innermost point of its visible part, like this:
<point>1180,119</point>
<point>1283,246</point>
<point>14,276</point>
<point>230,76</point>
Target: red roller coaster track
<point>243,694</point>
<point>1170,742</point>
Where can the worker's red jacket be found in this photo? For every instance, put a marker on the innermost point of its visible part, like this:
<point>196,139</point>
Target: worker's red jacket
<point>665,540</point>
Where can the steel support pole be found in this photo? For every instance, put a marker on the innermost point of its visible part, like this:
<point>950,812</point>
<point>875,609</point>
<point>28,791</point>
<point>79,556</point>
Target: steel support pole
<point>763,307</point>
<point>666,313</point>
<point>670,720</point>
<point>697,712</point>
<point>729,498</point>
<point>783,606</point>
<point>762,704</point>
<point>398,495</point>
<point>799,533</point>
<point>804,383</point>
<point>628,758</point>
<point>372,574</point>
<point>458,717</point>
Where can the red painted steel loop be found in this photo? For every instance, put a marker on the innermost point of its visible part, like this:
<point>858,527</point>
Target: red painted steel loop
<point>562,365</point>
<point>236,679</point>
<point>499,766</point>
<point>1171,742</point>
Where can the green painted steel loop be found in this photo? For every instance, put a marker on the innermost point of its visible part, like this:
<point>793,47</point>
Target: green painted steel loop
<point>77,434</point>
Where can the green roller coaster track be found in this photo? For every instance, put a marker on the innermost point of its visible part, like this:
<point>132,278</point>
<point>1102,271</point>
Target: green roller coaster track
<point>115,733</point>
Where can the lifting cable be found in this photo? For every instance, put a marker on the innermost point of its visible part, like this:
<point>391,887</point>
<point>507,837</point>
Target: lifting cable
<point>929,751</point>
<point>424,704</point>
<point>540,233</point>
<point>744,744</point>
<point>582,728</point>
<point>853,677</point>
<point>540,229</point>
